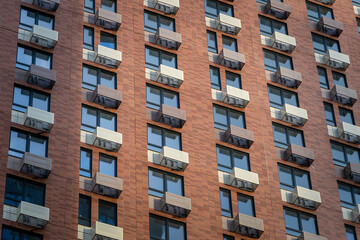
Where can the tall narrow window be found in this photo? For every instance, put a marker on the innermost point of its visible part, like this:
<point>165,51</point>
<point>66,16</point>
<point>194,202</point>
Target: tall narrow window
<point>229,43</point>
<point>108,165</point>
<point>350,232</point>
<point>246,205</point>
<point>88,38</point>
<point>323,79</point>
<point>212,42</point>
<point>86,162</point>
<point>225,199</point>
<point>215,78</point>
<point>329,114</point>
<point>233,79</point>
<point>107,212</point>
<point>84,217</point>
<point>89,6</point>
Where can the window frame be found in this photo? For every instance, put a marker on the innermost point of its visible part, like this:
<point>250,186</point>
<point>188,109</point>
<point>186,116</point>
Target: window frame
<point>228,118</point>
<point>287,135</point>
<point>115,2</point>
<point>109,157</point>
<point>293,170</point>
<point>350,228</point>
<point>276,55</point>
<point>158,18</point>
<point>325,40</point>
<point>232,73</point>
<point>323,85</point>
<point>87,45</point>
<point>234,40</point>
<point>162,91</point>
<point>210,34</point>
<point>210,15</point>
<point>114,205</point>
<point>349,111</point>
<point>89,210</point>
<point>31,98</point>
<point>165,187</point>
<point>250,198</point>
<point>91,159</point>
<point>89,10</point>
<point>109,35</point>
<point>98,77</point>
<point>213,84</point>
<point>347,204</point>
<point>167,221</point>
<point>21,232</point>
<point>331,122</point>
<point>160,53</point>
<point>36,19</point>
<point>334,73</point>
<point>221,167</point>
<point>163,131</point>
<point>34,51</point>
<point>223,210</point>
<point>98,112</point>
<point>271,26</point>
<point>318,7</point>
<point>344,150</point>
<point>299,213</point>
<point>282,91</point>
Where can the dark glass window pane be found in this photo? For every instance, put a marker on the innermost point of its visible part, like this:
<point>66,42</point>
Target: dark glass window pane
<point>40,101</point>
<point>296,137</point>
<point>339,79</point>
<point>13,191</point>
<point>279,27</point>
<point>88,119</point>
<point>241,160</point>
<point>89,78</point>
<point>265,26</point>
<point>350,233</point>
<point>338,154</point>
<point>88,38</point>
<point>153,97</point>
<point>168,59</point>
<point>211,8</point>
<point>46,21</point>
<point>24,58</point>
<point>290,98</point>
<point>176,231</point>
<point>21,99</point>
<point>229,43</point>
<point>167,23</point>
<point>108,79</point>
<point>237,119</point>
<point>225,9</point>
<point>346,196</point>
<point>84,210</point>
<point>275,97</point>
<point>292,222</point>
<point>302,179</point>
<point>108,121</point>
<point>108,40</point>
<point>331,44</point>
<point>284,61</point>
<point>280,136</point>
<point>43,60</point>
<point>38,146</point>
<point>34,193</point>
<point>220,117</point>
<point>107,213</point>
<point>312,11</point>
<point>89,6</point>
<point>286,178</point>
<point>157,228</point>
<point>224,158</point>
<point>233,79</point>
<point>308,223</point>
<point>109,5</point>
<point>323,78</point>
<point>85,163</point>
<point>329,114</point>
<point>211,40</point>
<point>346,115</point>
<point>174,185</point>
<point>318,43</point>
<point>150,22</point>
<point>152,58</point>
<point>107,165</point>
<point>352,155</point>
<point>246,205</point>
<point>172,139</point>
<point>18,142</point>
<point>27,19</point>
<point>10,233</point>
<point>228,238</point>
<point>225,198</point>
<point>156,183</point>
<point>154,139</point>
<point>270,61</point>
<point>171,98</point>
<point>215,78</point>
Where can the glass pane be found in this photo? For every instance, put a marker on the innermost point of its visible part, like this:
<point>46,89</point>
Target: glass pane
<point>172,139</point>
<point>10,234</point>
<point>107,213</point>
<point>35,193</point>
<point>285,178</point>
<point>265,26</point>
<point>89,5</point>
<point>346,116</point>
<point>280,136</point>
<point>350,233</point>
<point>318,43</point>
<point>108,79</point>
<point>150,22</point>
<point>38,146</point>
<point>152,57</point>
<point>220,117</point>
<point>43,60</point>
<point>90,77</point>
<point>226,9</point>
<point>275,97</point>
<point>168,59</point>
<point>22,98</point>
<point>279,27</point>
<point>46,21</point>
<point>24,56</point>
<point>224,158</point>
<point>174,185</point>
<point>153,98</point>
<point>88,38</point>
<point>291,220</point>
<point>246,205</point>
<point>237,119</point>
<point>356,192</point>
<point>107,165</point>
<point>18,142</point>
<point>233,79</point>
<point>13,191</point>
<point>85,163</point>
<point>210,8</point>
<point>308,223</point>
<point>323,78</point>
<point>337,152</point>
<point>327,12</point>
<point>41,101</point>
<point>171,99</point>
<point>333,45</point>
<point>296,137</point>
<point>285,61</point>
<point>339,79</point>
<point>290,98</point>
<point>176,231</point>
<point>109,5</point>
<point>27,19</point>
<point>229,43</point>
<point>88,118</point>
<point>84,210</point>
<point>157,228</point>
<point>345,193</point>
<point>329,114</point>
<point>302,179</point>
<point>269,60</point>
<point>225,199</point>
<point>211,41</point>
<point>167,23</point>
<point>156,182</point>
<point>352,155</point>
<point>241,160</point>
<point>28,236</point>
<point>215,78</point>
<point>154,137</point>
<point>108,40</point>
<point>312,11</point>
<point>108,121</point>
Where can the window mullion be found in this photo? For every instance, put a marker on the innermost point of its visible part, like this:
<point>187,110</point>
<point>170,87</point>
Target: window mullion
<point>299,222</point>
<point>27,149</point>
<point>31,95</point>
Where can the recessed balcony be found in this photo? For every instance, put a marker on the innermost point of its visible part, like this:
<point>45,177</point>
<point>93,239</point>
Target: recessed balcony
<point>32,215</point>
<point>175,204</point>
<point>106,185</point>
<point>235,96</point>
<point>108,97</point>
<point>106,231</point>
<point>107,19</point>
<point>305,198</point>
<point>343,95</point>
<point>330,26</point>
<point>43,37</point>
<point>231,59</point>
<point>278,9</point>
<point>299,155</point>
<point>228,24</point>
<point>40,76</point>
<point>172,116</point>
<point>288,77</point>
<point>243,179</point>
<point>106,139</point>
<point>168,39</point>
<point>169,76</point>
<point>337,60</point>
<point>174,159</point>
<point>248,226</point>
<point>293,115</point>
<point>38,119</point>
<point>35,165</point>
<point>238,136</point>
<point>107,57</point>
<point>282,42</point>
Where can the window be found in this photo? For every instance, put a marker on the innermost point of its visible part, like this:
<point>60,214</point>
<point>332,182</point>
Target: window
<point>92,76</point>
<point>27,56</point>
<point>85,162</point>
<point>161,182</point>
<point>342,154</point>
<point>215,78</point>
<point>329,114</point>
<point>109,5</point>
<point>159,137</point>
<point>268,26</point>
<point>84,217</point>
<point>21,142</point>
<point>278,97</point>
<point>156,96</point>
<point>284,136</point>
<point>20,189</point>
<point>213,8</point>
<point>107,212</point>
<point>315,12</point>
<point>349,195</point>
<point>224,117</point>
<point>291,177</point>
<point>89,6</point>
<point>211,41</point>
<point>153,21</point>
<point>339,79</point>
<point>233,79</point>
<point>228,158</point>
<point>350,232</point>
<point>225,237</point>
<point>356,2</point>
<point>225,200</point>
<point>346,115</point>
<point>88,42</point>
<point>11,233</point>
<point>155,57</point>
<point>165,229</point>
<point>93,117</point>
<point>296,222</point>
<point>246,205</point>
<point>358,23</point>
<point>229,43</point>
<point>24,97</point>
<point>274,60</point>
<point>323,44</point>
<point>266,1</point>
<point>323,79</point>
<point>29,18</point>
<point>108,40</point>
<point>108,165</point>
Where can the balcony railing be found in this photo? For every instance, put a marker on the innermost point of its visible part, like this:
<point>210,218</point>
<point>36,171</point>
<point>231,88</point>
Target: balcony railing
<point>228,24</point>
<point>35,165</point>
<point>32,215</point>
<point>282,42</point>
<point>174,159</point>
<point>107,19</point>
<point>248,226</point>
<point>106,231</point>
<point>238,136</point>
<point>38,119</point>
<point>306,198</point>
<point>172,116</point>
<point>330,26</point>
<point>168,39</point>
<point>278,9</point>
<point>40,76</point>
<point>106,139</point>
<point>169,76</point>
<point>106,185</point>
<point>235,96</point>
<point>43,37</point>
<point>107,97</point>
<point>243,179</point>
<point>175,204</point>
<point>294,115</point>
<point>299,155</point>
<point>288,77</point>
<point>107,57</point>
<point>231,59</point>
<point>343,95</point>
